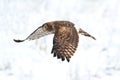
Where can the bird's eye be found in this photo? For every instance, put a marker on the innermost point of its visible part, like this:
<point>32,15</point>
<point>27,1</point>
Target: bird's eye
<point>44,26</point>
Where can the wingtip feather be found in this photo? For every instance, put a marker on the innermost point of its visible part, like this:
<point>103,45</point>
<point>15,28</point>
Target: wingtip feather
<point>18,40</point>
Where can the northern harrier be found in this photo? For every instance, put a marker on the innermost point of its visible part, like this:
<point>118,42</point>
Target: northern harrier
<point>65,39</point>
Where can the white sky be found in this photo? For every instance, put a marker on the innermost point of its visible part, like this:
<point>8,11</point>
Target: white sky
<point>32,60</point>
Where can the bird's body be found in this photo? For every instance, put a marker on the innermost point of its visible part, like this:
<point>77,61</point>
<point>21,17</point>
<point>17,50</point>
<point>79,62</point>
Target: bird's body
<point>65,39</point>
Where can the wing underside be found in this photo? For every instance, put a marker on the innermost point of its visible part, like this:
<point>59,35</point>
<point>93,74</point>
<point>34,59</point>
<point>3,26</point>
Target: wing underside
<point>39,32</point>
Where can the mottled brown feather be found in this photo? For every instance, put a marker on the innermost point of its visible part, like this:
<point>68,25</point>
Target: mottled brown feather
<point>65,39</point>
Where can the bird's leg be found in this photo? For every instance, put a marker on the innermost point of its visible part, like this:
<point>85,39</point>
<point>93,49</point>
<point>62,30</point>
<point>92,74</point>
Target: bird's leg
<point>82,32</point>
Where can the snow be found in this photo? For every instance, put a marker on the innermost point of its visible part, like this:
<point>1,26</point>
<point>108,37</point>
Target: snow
<point>32,60</point>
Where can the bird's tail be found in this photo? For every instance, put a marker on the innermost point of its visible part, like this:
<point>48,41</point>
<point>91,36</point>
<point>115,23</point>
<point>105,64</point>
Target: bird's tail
<point>82,32</point>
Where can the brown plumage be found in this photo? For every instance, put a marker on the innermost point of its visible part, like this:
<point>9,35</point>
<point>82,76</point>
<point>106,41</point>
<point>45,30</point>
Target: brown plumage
<point>65,39</point>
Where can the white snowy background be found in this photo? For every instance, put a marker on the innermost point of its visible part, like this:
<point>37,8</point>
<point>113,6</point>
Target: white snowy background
<point>32,60</point>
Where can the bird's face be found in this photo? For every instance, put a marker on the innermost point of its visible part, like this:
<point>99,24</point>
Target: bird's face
<point>48,27</point>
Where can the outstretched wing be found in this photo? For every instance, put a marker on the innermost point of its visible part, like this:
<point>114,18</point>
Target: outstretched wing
<point>65,43</point>
<point>39,32</point>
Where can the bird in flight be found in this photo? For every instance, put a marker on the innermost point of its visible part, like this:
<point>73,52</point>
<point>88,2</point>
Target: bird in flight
<point>65,40</point>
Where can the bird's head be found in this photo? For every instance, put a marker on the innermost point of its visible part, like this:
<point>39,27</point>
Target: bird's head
<point>48,26</point>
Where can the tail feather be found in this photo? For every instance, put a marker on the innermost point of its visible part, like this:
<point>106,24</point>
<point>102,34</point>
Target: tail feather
<point>82,32</point>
